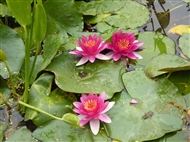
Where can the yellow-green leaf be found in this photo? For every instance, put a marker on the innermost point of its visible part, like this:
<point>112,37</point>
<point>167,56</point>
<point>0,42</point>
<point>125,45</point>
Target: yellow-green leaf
<point>3,56</point>
<point>180,29</point>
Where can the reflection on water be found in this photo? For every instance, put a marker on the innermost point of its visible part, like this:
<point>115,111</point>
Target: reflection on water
<point>166,14</point>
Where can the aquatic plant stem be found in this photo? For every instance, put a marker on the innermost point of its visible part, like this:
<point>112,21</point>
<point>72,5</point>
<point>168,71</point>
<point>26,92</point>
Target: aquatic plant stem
<point>5,102</point>
<point>39,110</point>
<point>11,79</point>
<point>27,63</point>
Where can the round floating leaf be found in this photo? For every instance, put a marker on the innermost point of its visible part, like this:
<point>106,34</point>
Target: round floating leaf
<point>21,135</point>
<point>71,21</point>
<point>13,46</point>
<point>153,116</point>
<point>165,63</point>
<point>184,43</point>
<point>124,18</point>
<point>59,131</point>
<point>154,45</point>
<point>56,102</point>
<point>97,77</point>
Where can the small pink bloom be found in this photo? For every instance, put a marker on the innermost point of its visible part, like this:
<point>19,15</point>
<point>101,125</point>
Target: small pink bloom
<point>124,45</point>
<point>92,109</point>
<point>133,101</point>
<point>90,49</point>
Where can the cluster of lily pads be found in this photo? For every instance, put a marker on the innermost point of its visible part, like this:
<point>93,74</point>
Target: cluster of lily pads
<point>147,97</point>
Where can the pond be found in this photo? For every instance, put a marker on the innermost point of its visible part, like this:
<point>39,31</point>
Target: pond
<point>139,95</point>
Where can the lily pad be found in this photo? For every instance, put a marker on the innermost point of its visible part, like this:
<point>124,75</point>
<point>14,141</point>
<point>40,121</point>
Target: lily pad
<point>71,21</point>
<point>11,43</point>
<point>56,102</point>
<point>165,63</point>
<point>184,43</point>
<point>23,134</point>
<point>154,45</point>
<point>152,117</point>
<point>97,77</point>
<point>60,131</point>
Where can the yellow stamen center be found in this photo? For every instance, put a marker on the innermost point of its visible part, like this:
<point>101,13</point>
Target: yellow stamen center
<point>90,43</point>
<point>90,105</point>
<point>123,43</point>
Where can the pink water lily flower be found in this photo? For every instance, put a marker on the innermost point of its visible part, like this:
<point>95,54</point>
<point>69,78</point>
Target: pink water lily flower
<point>123,46</point>
<point>90,48</point>
<point>92,109</point>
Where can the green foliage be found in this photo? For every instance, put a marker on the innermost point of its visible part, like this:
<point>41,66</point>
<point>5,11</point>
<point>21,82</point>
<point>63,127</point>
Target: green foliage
<point>40,23</point>
<point>184,44</point>
<point>13,46</point>
<point>165,63</point>
<point>56,102</point>
<point>154,45</point>
<point>50,28</point>
<point>152,117</point>
<point>97,77</point>
<point>21,10</point>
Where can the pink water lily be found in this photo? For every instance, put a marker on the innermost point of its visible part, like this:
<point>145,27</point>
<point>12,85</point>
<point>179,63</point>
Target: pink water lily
<point>90,48</point>
<point>92,109</point>
<point>124,46</point>
<point>133,101</point>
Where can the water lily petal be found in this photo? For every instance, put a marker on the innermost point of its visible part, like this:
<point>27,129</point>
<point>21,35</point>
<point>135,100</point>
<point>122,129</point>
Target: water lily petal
<point>104,118</point>
<point>103,95</point>
<point>116,56</point>
<point>79,48</point>
<point>92,59</point>
<point>82,61</point>
<point>95,126</point>
<point>133,101</point>
<point>110,105</point>
<point>137,55</point>
<point>102,57</point>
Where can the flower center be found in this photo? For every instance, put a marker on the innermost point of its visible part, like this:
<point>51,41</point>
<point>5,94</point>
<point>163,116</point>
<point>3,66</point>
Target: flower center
<point>123,43</point>
<point>90,105</point>
<point>90,43</point>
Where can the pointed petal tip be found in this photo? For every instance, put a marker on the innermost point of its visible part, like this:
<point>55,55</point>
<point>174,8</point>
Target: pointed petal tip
<point>133,101</point>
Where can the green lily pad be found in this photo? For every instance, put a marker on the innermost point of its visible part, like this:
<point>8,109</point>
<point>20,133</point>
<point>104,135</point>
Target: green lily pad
<point>173,137</point>
<point>154,45</point>
<point>97,77</point>
<point>152,117</point>
<point>71,21</point>
<point>13,46</point>
<point>56,102</point>
<point>184,42</point>
<point>165,63</point>
<point>21,135</point>
<point>60,131</point>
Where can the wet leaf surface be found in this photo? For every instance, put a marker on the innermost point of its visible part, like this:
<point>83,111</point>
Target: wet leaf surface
<point>97,77</point>
<point>153,103</point>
